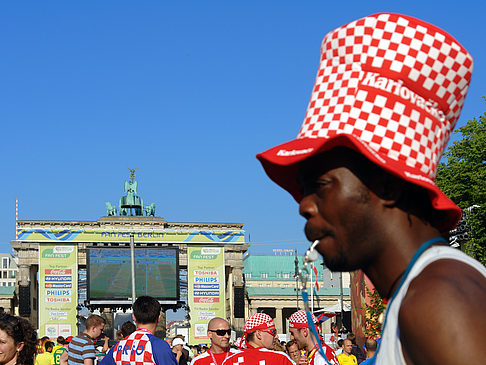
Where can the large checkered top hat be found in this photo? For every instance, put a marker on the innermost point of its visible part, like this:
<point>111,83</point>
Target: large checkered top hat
<point>299,319</point>
<point>259,321</point>
<point>390,87</point>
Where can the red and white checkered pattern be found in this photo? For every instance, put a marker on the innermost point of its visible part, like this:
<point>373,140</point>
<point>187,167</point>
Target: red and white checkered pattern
<point>259,356</point>
<point>299,319</point>
<point>428,64</point>
<point>390,86</point>
<point>240,343</point>
<point>135,349</point>
<point>259,321</point>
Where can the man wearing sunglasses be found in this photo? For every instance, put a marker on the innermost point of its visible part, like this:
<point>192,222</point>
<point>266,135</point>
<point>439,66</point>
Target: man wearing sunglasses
<point>219,332</point>
<point>302,334</point>
<point>259,335</point>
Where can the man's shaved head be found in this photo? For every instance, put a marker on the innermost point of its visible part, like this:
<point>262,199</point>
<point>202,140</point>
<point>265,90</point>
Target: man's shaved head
<point>218,323</point>
<point>219,342</point>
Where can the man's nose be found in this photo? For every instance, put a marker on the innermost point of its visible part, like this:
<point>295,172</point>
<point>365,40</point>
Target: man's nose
<point>307,206</point>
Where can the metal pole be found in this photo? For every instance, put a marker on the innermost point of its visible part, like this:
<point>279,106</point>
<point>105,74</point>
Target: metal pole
<point>296,262</point>
<point>312,288</point>
<point>132,262</point>
<point>342,304</point>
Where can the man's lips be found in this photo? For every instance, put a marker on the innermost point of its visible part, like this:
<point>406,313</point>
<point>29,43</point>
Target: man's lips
<point>316,234</point>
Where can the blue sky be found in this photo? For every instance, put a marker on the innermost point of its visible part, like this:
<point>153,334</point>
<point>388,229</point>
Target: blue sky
<point>187,92</point>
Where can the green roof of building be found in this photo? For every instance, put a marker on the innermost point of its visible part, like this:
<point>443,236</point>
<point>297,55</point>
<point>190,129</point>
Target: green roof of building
<point>271,265</point>
<point>277,291</point>
<point>7,290</point>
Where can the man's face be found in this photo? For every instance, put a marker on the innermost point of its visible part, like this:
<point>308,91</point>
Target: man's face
<point>221,341</point>
<point>348,346</point>
<point>177,348</point>
<point>294,353</point>
<point>298,337</point>
<point>268,338</point>
<point>97,330</point>
<point>339,209</point>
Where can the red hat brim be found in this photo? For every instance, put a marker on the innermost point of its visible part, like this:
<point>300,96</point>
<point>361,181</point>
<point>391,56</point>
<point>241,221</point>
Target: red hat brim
<point>281,163</point>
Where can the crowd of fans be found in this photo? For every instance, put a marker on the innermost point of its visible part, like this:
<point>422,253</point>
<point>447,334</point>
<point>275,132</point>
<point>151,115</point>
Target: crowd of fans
<point>136,343</point>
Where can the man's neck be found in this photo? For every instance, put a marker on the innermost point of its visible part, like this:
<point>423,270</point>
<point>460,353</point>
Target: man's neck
<point>308,348</point>
<point>254,344</point>
<point>311,343</point>
<point>399,245</point>
<point>215,349</point>
<point>148,326</point>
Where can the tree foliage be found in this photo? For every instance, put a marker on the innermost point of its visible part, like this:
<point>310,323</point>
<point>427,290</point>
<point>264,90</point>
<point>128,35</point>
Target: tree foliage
<point>463,178</point>
<point>372,325</point>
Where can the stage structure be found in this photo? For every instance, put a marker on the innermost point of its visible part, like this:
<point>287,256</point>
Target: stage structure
<point>55,251</point>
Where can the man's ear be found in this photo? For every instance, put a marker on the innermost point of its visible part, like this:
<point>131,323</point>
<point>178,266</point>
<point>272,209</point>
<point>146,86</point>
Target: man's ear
<point>388,188</point>
<point>134,319</point>
<point>258,334</point>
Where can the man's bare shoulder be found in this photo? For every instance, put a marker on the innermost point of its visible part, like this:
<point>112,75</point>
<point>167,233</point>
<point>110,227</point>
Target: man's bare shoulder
<point>442,315</point>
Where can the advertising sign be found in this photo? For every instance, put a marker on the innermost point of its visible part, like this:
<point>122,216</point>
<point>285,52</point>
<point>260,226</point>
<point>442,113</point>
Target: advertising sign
<point>93,235</point>
<point>206,289</point>
<point>58,288</point>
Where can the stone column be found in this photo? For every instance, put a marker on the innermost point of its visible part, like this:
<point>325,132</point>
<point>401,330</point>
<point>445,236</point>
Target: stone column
<point>237,281</point>
<point>278,320</point>
<point>24,274</point>
<point>229,303</point>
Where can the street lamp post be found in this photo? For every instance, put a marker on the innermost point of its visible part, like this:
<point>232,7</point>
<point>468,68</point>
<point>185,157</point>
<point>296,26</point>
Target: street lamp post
<point>296,275</point>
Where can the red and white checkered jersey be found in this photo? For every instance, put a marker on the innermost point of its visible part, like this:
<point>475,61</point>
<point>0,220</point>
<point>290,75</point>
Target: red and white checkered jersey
<point>317,359</point>
<point>259,356</point>
<point>140,348</point>
<point>207,359</point>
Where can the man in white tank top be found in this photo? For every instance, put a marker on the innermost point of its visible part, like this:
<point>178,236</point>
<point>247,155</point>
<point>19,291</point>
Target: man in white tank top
<point>388,92</point>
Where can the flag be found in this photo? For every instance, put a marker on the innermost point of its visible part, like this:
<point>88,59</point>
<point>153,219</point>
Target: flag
<point>325,316</point>
<point>315,273</point>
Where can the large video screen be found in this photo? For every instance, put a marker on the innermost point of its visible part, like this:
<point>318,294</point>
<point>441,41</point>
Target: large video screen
<point>109,273</point>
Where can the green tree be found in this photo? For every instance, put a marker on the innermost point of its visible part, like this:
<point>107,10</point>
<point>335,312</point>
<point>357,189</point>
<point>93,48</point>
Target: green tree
<point>463,178</point>
<point>373,311</point>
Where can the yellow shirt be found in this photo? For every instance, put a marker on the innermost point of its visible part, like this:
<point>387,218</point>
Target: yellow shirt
<point>43,359</point>
<point>56,354</point>
<point>347,359</point>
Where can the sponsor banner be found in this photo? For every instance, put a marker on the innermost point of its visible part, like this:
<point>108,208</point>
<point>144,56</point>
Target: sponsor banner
<point>206,300</point>
<point>206,280</point>
<point>57,300</point>
<point>58,272</point>
<point>206,286</point>
<point>204,293</point>
<point>58,276</point>
<point>206,289</point>
<point>87,235</point>
<point>59,285</point>
<point>58,292</point>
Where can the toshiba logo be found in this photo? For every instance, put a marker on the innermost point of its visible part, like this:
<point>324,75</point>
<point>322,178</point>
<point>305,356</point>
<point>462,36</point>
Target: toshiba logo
<point>286,153</point>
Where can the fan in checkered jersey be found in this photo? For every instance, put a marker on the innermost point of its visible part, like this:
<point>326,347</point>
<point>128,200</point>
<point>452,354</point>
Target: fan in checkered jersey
<point>399,48</point>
